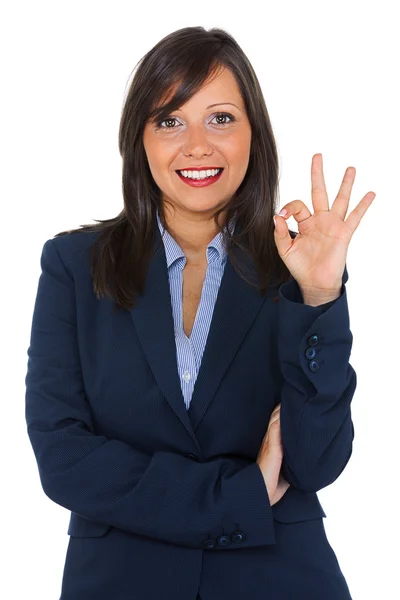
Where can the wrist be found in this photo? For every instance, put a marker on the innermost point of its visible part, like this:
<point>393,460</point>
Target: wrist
<point>316,298</point>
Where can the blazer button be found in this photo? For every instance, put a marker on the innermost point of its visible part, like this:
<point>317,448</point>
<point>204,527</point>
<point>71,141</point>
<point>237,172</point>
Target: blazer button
<point>209,544</point>
<point>313,340</point>
<point>314,366</point>
<point>237,537</point>
<point>224,540</point>
<point>310,353</point>
<point>192,456</point>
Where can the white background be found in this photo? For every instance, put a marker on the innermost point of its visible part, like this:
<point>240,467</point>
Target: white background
<point>329,73</point>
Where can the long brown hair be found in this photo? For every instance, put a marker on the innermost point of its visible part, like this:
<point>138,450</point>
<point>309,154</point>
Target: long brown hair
<point>121,253</point>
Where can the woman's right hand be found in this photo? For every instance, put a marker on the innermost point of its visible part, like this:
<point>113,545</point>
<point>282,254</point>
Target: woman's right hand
<point>270,457</point>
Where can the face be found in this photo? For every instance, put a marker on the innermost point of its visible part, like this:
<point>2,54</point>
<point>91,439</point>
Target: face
<point>198,135</point>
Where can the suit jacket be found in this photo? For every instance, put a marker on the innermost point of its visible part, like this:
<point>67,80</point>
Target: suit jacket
<point>167,502</point>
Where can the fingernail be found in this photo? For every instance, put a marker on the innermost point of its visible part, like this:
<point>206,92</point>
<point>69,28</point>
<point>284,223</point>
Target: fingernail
<point>283,212</point>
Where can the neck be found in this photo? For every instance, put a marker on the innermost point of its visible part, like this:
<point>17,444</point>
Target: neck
<point>193,233</point>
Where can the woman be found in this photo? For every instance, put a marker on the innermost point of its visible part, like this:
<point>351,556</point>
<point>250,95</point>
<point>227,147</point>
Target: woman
<point>188,385</point>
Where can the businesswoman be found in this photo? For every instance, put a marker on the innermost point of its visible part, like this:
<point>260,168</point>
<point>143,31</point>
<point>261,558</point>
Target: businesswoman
<point>188,388</point>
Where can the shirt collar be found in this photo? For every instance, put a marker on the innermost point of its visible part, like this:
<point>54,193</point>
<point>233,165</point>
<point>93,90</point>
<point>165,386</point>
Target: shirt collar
<point>173,251</point>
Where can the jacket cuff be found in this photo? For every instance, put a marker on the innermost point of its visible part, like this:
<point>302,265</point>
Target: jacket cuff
<point>247,508</point>
<point>314,341</point>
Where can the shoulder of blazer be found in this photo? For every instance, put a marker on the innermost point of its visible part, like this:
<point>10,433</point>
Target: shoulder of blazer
<point>74,248</point>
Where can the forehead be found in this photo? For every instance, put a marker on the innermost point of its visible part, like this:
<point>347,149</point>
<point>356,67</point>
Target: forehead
<point>220,86</point>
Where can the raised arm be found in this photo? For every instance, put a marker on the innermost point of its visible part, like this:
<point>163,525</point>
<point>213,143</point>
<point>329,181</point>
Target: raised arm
<point>319,383</point>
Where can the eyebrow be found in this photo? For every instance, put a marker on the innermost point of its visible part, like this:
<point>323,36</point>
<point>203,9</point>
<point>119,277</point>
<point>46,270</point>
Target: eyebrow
<point>218,103</point>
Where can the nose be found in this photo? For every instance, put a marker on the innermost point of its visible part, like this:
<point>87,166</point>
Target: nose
<point>196,143</point>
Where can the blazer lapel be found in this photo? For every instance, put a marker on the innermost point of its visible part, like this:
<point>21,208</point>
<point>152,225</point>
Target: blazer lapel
<point>236,308</point>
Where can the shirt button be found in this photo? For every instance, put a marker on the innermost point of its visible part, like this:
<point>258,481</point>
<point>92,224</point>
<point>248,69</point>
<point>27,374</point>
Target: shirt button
<point>186,376</point>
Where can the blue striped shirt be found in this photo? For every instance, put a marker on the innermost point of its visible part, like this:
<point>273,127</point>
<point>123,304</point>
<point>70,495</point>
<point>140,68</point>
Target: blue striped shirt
<point>189,351</point>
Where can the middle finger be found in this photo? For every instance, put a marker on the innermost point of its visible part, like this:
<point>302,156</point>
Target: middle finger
<point>318,189</point>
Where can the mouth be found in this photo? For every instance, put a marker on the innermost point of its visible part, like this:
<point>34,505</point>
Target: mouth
<point>201,178</point>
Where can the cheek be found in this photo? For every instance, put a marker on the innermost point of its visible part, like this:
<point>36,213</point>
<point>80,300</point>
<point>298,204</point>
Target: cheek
<point>160,170</point>
<point>159,157</point>
<point>240,156</point>
<point>156,161</point>
<point>153,152</point>
<point>238,147</point>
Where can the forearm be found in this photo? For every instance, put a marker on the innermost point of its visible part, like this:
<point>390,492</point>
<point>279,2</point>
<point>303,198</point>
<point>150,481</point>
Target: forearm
<point>318,385</point>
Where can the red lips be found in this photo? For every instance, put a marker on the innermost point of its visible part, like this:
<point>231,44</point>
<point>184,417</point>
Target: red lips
<point>200,182</point>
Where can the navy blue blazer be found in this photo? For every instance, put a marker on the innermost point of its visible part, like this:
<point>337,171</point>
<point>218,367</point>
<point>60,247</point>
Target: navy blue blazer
<point>168,503</point>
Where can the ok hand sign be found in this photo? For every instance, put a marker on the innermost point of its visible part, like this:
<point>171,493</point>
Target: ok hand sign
<point>316,258</point>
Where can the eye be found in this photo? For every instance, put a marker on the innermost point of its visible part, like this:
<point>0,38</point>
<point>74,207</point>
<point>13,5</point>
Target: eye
<point>224,115</point>
<point>168,119</point>
<point>217,116</point>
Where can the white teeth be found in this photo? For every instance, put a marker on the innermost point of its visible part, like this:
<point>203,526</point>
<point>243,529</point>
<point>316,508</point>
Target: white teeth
<point>200,174</point>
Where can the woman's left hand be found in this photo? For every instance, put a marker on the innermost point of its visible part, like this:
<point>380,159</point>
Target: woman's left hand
<point>316,257</point>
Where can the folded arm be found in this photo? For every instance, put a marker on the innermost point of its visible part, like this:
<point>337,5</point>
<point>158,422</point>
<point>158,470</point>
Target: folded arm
<point>165,496</point>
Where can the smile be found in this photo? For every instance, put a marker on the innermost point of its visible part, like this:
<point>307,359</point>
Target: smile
<point>201,182</point>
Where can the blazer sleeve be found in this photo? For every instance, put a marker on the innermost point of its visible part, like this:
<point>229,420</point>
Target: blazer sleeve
<point>166,496</point>
<point>314,346</point>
